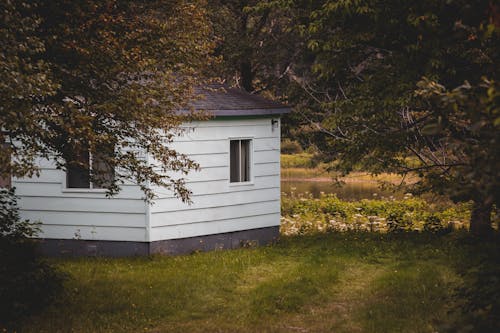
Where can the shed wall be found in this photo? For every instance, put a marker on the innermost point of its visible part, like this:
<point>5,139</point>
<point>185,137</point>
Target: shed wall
<point>80,213</point>
<point>219,206</point>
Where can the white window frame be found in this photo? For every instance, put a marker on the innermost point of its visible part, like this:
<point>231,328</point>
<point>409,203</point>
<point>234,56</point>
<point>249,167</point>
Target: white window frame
<point>251,164</point>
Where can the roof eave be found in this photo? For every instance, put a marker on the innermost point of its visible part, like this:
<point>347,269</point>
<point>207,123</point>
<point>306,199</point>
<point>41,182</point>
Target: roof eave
<point>249,112</point>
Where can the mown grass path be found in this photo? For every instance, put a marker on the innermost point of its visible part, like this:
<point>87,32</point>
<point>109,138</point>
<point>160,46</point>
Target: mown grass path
<point>326,283</point>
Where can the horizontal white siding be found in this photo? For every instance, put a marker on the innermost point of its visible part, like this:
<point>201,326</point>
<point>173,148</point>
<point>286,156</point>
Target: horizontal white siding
<point>222,186</point>
<point>219,206</point>
<point>93,233</point>
<point>92,205</point>
<point>209,160</point>
<point>108,220</point>
<point>193,148</point>
<point>221,123</point>
<point>54,176</point>
<point>225,199</point>
<point>225,128</point>
<point>32,189</point>
<point>222,172</point>
<point>215,227</point>
<point>50,176</point>
<point>212,214</point>
<point>82,213</point>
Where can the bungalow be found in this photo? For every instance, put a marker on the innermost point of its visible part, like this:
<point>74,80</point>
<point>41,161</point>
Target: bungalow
<point>236,195</point>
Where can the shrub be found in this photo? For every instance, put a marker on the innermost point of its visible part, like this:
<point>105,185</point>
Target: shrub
<point>302,160</point>
<point>11,226</point>
<point>290,147</point>
<point>433,223</point>
<point>303,214</point>
<point>398,221</point>
<point>27,283</point>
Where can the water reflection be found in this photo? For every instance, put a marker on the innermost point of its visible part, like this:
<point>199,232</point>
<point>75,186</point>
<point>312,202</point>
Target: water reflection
<point>349,191</point>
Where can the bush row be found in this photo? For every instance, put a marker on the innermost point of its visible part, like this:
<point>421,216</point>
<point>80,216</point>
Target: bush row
<point>304,214</point>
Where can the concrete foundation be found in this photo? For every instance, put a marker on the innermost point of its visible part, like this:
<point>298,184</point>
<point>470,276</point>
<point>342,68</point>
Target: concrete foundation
<point>230,240</point>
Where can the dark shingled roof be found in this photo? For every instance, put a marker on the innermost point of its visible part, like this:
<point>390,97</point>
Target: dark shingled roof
<point>222,101</point>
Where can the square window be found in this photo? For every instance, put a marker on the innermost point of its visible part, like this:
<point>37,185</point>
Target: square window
<point>239,161</point>
<point>85,163</point>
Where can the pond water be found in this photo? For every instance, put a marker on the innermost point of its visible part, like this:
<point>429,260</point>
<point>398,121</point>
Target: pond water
<point>349,191</point>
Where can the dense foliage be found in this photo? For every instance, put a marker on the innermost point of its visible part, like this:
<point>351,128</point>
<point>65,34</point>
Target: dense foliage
<point>101,76</point>
<point>378,91</point>
<point>255,41</point>
<point>12,227</point>
<point>388,86</point>
<point>303,214</point>
<point>27,283</point>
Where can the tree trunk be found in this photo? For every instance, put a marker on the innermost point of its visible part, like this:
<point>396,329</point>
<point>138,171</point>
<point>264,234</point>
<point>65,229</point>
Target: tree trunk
<point>246,76</point>
<point>480,219</point>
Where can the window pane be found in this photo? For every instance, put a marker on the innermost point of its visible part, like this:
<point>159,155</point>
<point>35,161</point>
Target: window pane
<point>5,181</point>
<point>78,175</point>
<point>234,161</point>
<point>245,160</point>
<point>5,178</point>
<point>103,173</point>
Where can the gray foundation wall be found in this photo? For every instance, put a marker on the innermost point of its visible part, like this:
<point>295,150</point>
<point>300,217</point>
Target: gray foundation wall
<point>230,240</point>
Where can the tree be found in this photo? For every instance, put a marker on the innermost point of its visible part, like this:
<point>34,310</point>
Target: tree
<point>256,43</point>
<point>464,124</point>
<point>397,86</point>
<point>92,75</point>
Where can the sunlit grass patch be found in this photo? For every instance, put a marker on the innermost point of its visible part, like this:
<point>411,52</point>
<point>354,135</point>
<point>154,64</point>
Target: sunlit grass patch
<point>411,292</point>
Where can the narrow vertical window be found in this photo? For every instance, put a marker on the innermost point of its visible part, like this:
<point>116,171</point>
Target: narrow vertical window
<point>239,152</point>
<point>103,172</point>
<point>235,161</point>
<point>78,171</point>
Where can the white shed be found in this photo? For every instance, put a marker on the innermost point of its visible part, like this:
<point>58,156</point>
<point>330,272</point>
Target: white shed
<point>236,195</point>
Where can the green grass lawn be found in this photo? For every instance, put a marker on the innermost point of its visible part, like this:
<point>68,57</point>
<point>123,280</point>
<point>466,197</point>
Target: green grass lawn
<point>334,282</point>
